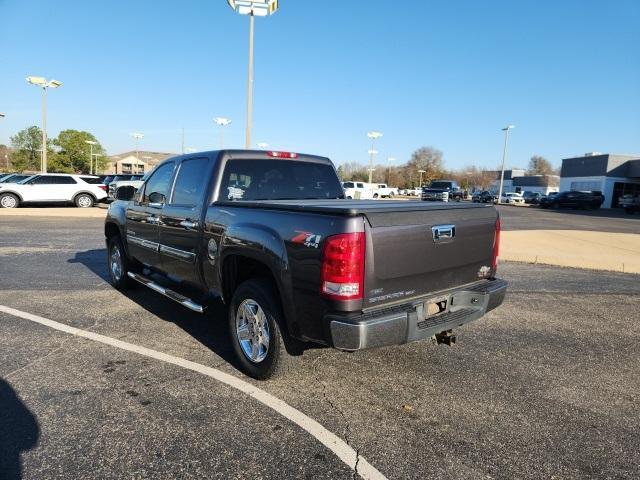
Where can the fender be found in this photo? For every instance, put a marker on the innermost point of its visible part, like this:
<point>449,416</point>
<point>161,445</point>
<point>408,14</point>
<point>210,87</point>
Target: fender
<point>116,215</point>
<point>12,192</point>
<point>263,244</point>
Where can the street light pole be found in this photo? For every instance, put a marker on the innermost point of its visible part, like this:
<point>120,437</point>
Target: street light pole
<point>504,158</point>
<point>221,122</point>
<point>253,8</point>
<point>247,142</point>
<point>421,172</point>
<point>91,143</point>
<point>44,84</point>
<point>137,136</point>
<point>373,136</point>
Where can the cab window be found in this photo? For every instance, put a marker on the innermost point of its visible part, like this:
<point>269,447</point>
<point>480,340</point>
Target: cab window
<point>158,184</point>
<point>190,182</point>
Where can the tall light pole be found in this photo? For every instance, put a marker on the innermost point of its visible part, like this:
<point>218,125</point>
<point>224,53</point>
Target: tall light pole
<point>253,8</point>
<point>91,143</point>
<point>421,172</point>
<point>504,158</point>
<point>390,160</point>
<point>137,136</point>
<point>373,136</point>
<point>221,122</point>
<point>6,157</point>
<point>44,84</point>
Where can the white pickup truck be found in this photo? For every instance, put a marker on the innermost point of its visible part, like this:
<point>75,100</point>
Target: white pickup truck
<point>383,191</point>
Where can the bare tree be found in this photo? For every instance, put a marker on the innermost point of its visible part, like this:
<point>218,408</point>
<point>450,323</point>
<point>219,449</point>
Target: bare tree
<point>428,159</point>
<point>538,165</point>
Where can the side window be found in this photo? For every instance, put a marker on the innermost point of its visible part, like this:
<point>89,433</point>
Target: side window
<point>159,182</point>
<point>64,180</point>
<point>191,182</point>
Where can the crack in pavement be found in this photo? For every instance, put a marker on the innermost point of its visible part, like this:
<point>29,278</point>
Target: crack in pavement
<point>346,432</point>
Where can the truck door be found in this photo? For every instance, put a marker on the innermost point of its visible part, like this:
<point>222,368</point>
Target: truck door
<point>143,215</point>
<point>180,228</point>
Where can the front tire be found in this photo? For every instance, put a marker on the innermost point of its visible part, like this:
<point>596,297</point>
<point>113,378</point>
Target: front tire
<point>84,200</point>
<point>257,339</point>
<point>9,200</point>
<point>118,265</point>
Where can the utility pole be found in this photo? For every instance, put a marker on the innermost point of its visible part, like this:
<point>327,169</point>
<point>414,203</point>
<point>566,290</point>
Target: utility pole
<point>504,158</point>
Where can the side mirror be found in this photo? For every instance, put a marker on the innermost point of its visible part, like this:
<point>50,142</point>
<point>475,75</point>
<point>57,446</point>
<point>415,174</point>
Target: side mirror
<point>156,199</point>
<point>125,193</point>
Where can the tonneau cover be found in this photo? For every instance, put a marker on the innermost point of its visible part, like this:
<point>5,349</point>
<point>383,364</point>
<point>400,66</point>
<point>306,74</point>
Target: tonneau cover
<point>353,207</point>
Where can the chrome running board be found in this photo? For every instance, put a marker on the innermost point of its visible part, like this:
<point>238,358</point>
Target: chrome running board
<point>176,297</point>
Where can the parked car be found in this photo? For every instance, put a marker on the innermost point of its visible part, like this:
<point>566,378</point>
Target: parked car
<point>630,203</point>
<point>357,190</point>
<point>443,190</point>
<point>513,198</point>
<point>411,192</point>
<point>14,177</point>
<point>484,196</point>
<point>383,191</point>
<point>122,180</point>
<point>82,190</point>
<point>573,199</point>
<point>271,234</point>
<point>532,198</point>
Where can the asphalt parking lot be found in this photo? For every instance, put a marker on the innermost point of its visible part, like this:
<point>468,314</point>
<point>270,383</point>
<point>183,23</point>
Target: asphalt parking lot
<point>534,218</point>
<point>546,386</point>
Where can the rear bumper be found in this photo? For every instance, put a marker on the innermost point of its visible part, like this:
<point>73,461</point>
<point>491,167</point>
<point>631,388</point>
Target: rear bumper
<point>408,323</point>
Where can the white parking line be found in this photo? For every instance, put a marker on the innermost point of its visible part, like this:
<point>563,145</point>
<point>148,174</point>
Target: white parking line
<point>334,443</point>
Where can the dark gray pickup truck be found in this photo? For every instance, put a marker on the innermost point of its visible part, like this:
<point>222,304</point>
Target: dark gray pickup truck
<point>271,234</point>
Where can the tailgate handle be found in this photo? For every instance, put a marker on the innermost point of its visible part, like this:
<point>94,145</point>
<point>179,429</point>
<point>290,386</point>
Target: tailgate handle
<point>443,233</point>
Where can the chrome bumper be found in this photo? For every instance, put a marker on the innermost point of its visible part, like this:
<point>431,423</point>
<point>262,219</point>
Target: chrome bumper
<point>408,323</point>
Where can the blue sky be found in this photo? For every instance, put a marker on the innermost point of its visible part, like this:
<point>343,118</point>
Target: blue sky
<point>447,74</point>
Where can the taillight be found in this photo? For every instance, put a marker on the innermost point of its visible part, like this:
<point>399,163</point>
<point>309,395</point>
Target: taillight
<point>343,266</point>
<point>102,186</point>
<point>282,154</point>
<point>496,247</point>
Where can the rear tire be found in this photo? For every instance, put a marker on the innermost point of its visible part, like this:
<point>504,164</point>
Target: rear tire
<point>118,265</point>
<point>84,200</point>
<point>258,341</point>
<point>9,200</point>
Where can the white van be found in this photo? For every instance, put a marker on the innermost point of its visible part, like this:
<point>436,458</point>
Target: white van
<point>357,190</point>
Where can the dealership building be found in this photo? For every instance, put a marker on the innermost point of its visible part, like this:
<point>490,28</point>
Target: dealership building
<point>613,175</point>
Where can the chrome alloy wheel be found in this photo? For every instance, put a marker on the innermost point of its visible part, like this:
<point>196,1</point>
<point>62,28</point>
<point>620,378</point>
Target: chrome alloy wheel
<point>252,330</point>
<point>84,201</point>
<point>115,263</point>
<point>8,201</point>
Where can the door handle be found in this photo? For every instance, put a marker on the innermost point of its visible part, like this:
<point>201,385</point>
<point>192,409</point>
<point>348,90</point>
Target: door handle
<point>188,224</point>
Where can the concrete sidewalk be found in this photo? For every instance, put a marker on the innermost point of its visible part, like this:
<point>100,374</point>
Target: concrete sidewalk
<point>618,252</point>
<point>94,212</point>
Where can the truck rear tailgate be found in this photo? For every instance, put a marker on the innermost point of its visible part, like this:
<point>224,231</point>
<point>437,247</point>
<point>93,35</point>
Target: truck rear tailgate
<point>406,259</point>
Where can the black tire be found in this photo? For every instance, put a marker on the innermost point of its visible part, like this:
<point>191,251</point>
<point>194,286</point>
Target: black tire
<point>84,200</point>
<point>121,281</point>
<point>277,361</point>
<point>555,205</point>
<point>9,200</point>
<point>390,194</point>
<point>375,195</point>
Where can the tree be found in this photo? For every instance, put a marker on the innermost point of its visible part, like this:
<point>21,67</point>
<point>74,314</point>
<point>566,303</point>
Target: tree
<point>74,153</point>
<point>26,146</point>
<point>428,159</point>
<point>538,165</point>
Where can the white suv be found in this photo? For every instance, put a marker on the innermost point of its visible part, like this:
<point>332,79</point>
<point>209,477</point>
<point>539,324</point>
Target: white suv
<point>82,190</point>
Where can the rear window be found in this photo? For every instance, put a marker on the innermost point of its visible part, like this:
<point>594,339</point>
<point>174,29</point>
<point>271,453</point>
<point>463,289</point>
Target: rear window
<point>279,180</point>
<point>92,180</point>
<point>349,185</point>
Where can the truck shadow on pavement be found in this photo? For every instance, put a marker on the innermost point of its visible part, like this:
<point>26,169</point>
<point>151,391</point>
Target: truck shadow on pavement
<point>210,328</point>
<point>19,431</point>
